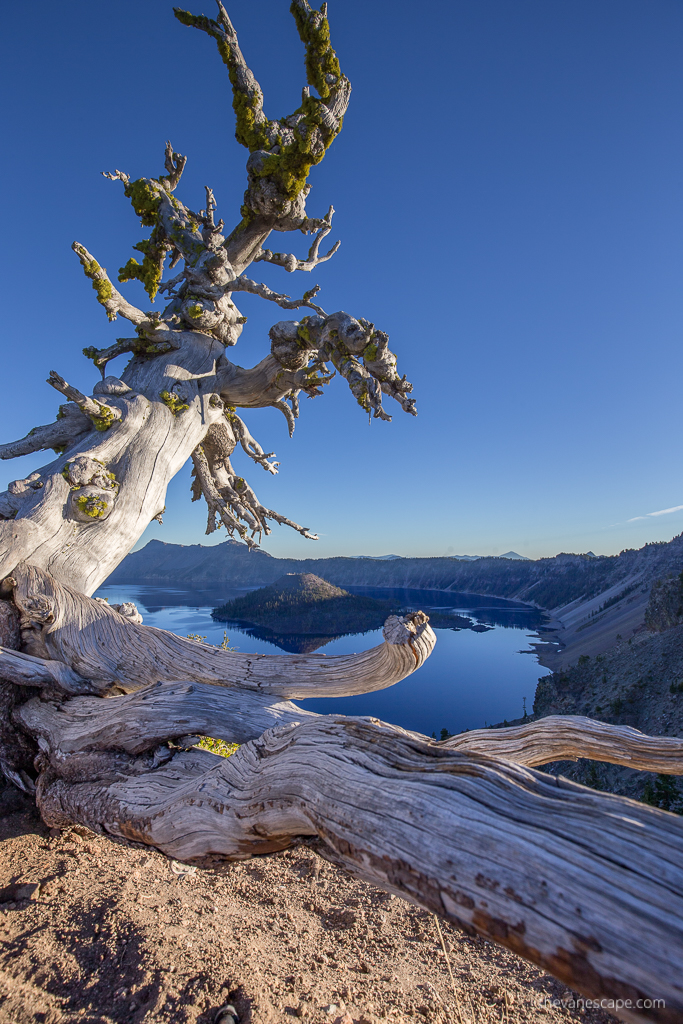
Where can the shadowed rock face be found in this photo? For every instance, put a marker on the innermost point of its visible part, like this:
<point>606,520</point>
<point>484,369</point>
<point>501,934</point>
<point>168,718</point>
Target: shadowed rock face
<point>304,604</point>
<point>665,607</point>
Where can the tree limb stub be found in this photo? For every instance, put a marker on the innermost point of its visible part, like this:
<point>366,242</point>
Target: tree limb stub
<point>588,886</point>
<point>104,647</point>
<point>101,414</point>
<point>26,670</point>
<point>72,425</point>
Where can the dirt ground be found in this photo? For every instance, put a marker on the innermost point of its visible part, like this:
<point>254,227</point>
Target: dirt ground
<point>93,930</point>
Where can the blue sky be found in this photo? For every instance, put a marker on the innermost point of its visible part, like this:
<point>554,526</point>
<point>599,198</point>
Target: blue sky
<point>509,196</point>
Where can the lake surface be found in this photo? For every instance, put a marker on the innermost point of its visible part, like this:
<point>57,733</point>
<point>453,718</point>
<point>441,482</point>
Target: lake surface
<point>472,678</point>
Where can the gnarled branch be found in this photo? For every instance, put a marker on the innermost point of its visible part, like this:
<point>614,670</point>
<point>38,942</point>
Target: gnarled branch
<point>291,263</point>
<point>228,495</point>
<point>107,295</point>
<point>568,737</point>
<point>244,284</point>
<point>91,638</point>
<point>26,670</point>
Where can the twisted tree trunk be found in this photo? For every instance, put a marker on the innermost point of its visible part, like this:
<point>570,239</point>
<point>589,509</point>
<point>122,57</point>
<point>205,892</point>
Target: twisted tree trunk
<point>587,885</point>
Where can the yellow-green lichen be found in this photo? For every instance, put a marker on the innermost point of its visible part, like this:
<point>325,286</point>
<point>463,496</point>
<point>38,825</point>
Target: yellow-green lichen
<point>144,194</point>
<point>104,420</point>
<point>321,60</point>
<point>91,505</point>
<point>175,404</point>
<point>219,747</point>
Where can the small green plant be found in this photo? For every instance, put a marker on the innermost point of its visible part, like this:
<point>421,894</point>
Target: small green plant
<point>676,687</point>
<point>664,793</point>
<point>584,659</point>
<point>224,644</point>
<point>219,747</point>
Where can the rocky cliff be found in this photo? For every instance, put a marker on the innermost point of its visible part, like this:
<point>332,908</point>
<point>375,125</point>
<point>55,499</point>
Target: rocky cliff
<point>639,683</point>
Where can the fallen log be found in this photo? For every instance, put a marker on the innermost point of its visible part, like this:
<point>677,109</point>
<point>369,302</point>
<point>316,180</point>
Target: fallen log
<point>587,885</point>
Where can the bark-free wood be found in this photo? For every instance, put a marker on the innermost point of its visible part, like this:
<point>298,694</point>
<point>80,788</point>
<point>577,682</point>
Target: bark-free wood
<point>587,885</point>
<point>109,649</point>
<point>568,737</point>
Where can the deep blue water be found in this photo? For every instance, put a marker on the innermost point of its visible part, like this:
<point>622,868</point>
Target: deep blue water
<point>470,680</point>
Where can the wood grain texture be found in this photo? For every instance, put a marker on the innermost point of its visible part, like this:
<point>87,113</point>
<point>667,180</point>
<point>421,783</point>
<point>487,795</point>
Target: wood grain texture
<point>155,714</point>
<point>105,647</point>
<point>587,885</point>
<point>568,737</point>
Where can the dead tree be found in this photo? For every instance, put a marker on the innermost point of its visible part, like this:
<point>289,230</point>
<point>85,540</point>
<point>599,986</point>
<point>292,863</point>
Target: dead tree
<point>587,885</point>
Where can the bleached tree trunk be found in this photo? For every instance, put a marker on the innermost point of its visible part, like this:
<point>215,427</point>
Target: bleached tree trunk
<point>100,714</point>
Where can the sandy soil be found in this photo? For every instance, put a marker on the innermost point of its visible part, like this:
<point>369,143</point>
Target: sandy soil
<point>94,930</point>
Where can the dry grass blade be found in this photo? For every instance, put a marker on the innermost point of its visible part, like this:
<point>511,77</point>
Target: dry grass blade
<point>448,964</point>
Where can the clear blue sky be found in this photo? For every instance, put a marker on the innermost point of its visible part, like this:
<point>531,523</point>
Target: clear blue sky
<point>509,195</point>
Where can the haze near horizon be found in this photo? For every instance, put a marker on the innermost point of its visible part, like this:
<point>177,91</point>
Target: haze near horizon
<point>508,194</point>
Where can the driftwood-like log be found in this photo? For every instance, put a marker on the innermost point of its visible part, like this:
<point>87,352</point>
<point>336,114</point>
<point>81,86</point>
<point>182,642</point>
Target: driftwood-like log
<point>587,885</point>
<point>103,646</point>
<point>568,737</point>
<point>140,721</point>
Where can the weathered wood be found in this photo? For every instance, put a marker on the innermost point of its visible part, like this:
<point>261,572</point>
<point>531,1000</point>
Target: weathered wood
<point>568,737</point>
<point>108,649</point>
<point>25,670</point>
<point>142,720</point>
<point>587,885</point>
<point>149,716</point>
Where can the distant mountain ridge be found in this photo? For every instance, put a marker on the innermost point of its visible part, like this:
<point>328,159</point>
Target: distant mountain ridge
<point>547,582</point>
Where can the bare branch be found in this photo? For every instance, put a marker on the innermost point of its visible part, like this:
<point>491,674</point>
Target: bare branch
<point>217,505</point>
<point>290,262</point>
<point>71,426</point>
<point>568,737</point>
<point>229,496</point>
<point>175,165</point>
<point>249,444</point>
<point>78,623</point>
<point>138,346</point>
<point>117,176</point>
<point>101,414</point>
<point>107,295</point>
<point>25,670</point>
<point>244,284</point>
<point>288,415</point>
